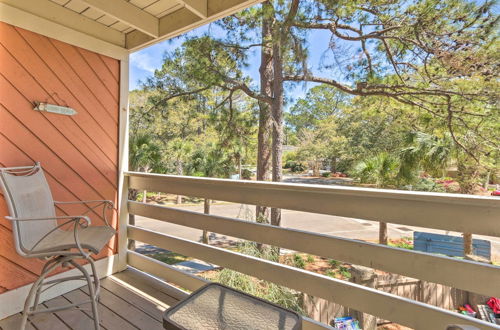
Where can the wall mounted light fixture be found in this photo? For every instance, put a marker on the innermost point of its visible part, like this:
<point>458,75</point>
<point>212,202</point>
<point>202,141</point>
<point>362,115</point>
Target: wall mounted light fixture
<point>40,106</point>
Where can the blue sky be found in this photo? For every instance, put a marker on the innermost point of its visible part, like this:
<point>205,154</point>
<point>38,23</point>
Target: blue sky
<point>144,62</point>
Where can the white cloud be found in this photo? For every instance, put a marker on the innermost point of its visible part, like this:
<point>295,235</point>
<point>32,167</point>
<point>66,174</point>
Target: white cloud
<point>143,61</point>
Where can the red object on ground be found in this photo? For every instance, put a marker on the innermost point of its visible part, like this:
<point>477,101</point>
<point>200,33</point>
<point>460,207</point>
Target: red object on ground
<point>495,193</point>
<point>494,304</point>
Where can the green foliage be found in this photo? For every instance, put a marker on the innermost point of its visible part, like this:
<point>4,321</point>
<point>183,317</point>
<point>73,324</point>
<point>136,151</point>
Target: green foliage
<point>333,263</point>
<point>427,184</point>
<point>344,271</point>
<point>326,174</point>
<point>297,167</point>
<point>310,259</point>
<point>144,153</point>
<point>380,169</point>
<point>416,91</point>
<point>424,152</point>
<point>246,174</point>
<point>403,243</point>
<point>263,289</point>
<point>330,273</point>
<point>298,261</point>
<point>291,161</point>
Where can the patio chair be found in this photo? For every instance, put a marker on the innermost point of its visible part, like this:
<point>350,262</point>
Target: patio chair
<point>39,233</point>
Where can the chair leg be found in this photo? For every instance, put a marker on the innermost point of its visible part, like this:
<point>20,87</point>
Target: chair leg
<point>36,288</point>
<point>40,286</point>
<point>93,288</point>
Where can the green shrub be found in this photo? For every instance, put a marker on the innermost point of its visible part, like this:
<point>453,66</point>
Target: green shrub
<point>298,167</point>
<point>333,263</point>
<point>427,184</point>
<point>298,261</point>
<point>289,164</point>
<point>310,259</point>
<point>330,273</point>
<point>259,288</point>
<point>246,174</point>
<point>403,243</point>
<point>326,174</point>
<point>344,271</point>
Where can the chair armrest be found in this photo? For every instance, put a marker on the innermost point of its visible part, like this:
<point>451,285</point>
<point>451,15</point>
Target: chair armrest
<point>72,217</point>
<point>87,202</point>
<point>107,204</point>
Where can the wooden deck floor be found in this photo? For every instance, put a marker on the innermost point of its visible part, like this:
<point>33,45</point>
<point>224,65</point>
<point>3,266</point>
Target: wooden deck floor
<point>129,300</point>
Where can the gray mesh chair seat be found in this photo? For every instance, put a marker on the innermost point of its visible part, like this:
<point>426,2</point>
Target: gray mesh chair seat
<point>40,233</point>
<point>91,238</point>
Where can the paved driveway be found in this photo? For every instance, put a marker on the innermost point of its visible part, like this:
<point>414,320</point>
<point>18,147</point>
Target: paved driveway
<point>325,224</point>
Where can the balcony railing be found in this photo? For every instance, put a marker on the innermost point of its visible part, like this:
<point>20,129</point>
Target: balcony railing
<point>471,214</point>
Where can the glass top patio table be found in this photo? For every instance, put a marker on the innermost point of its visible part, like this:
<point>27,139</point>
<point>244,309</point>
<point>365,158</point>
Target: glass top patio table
<point>216,306</point>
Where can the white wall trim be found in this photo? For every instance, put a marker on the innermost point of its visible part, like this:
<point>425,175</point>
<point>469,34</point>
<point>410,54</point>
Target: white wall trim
<point>123,163</point>
<point>12,302</point>
<point>37,24</point>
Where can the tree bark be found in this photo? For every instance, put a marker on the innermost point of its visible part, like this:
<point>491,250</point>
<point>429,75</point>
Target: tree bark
<point>467,177</point>
<point>145,196</point>
<point>132,195</point>
<point>382,233</point>
<point>239,167</point>
<point>333,165</point>
<point>206,210</point>
<point>265,120</point>
<point>277,118</point>
<point>179,172</point>
<point>468,244</point>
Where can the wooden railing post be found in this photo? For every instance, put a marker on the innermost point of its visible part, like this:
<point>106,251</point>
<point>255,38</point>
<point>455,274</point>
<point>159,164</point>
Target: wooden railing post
<point>367,277</point>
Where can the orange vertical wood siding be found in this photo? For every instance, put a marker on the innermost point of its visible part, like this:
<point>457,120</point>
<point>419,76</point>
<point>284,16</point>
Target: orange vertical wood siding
<point>79,153</point>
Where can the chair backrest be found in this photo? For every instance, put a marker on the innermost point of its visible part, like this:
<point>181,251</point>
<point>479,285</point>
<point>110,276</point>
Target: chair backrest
<point>28,195</point>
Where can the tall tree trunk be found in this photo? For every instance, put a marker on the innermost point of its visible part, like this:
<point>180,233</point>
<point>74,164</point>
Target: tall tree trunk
<point>277,116</point>
<point>467,177</point>
<point>382,233</point>
<point>333,165</point>
<point>206,210</point>
<point>132,195</point>
<point>179,172</point>
<point>145,196</point>
<point>265,120</point>
<point>239,167</point>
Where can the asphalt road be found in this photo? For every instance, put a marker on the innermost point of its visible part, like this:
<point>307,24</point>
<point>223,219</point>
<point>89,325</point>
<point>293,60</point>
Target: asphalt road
<point>325,224</point>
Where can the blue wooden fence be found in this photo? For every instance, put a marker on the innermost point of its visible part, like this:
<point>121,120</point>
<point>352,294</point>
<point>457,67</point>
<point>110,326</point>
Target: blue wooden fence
<point>449,245</point>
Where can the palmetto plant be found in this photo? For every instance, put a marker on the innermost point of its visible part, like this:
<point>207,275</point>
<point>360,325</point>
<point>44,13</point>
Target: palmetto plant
<point>380,169</point>
<point>144,153</point>
<point>424,152</point>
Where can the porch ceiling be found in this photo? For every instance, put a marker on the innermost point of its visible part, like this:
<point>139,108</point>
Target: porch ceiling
<point>128,24</point>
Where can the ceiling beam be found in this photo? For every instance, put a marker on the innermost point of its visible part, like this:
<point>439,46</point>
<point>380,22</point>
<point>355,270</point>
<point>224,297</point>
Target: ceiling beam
<point>55,13</point>
<point>184,20</point>
<point>199,7</point>
<point>128,14</point>
<point>222,8</point>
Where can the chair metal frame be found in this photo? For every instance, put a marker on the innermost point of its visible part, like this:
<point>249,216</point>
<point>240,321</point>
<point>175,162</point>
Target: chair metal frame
<point>65,257</point>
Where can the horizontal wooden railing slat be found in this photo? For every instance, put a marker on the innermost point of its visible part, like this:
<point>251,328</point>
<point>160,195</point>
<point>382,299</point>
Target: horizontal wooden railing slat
<point>191,282</point>
<point>467,275</point>
<point>164,271</point>
<point>471,214</point>
<point>397,309</point>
